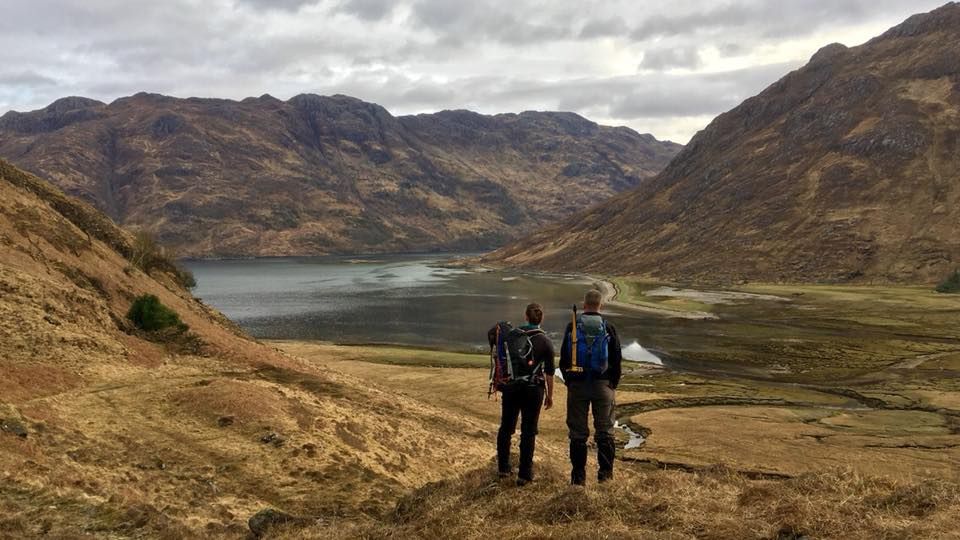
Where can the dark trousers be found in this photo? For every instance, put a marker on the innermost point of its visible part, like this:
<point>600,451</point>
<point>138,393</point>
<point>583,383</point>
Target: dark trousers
<point>582,396</point>
<point>524,401</point>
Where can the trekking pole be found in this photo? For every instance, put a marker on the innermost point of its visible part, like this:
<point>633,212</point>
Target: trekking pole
<point>574,368</point>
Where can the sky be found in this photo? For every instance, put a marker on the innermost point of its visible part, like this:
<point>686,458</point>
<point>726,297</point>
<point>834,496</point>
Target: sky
<point>660,67</point>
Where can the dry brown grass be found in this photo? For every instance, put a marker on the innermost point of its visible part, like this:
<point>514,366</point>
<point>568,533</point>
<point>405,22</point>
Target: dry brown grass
<point>717,504</point>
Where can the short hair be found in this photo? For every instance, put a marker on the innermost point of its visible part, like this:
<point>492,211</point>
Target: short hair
<point>534,313</point>
<point>593,298</point>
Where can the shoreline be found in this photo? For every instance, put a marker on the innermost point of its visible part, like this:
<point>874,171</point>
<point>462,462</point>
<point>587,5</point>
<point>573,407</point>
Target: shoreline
<point>611,292</point>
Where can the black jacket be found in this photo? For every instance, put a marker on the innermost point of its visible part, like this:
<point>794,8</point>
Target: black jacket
<point>615,358</point>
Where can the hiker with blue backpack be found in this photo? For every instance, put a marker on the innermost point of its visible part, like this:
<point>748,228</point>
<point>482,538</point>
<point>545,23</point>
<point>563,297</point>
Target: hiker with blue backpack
<point>590,362</point>
<point>521,369</point>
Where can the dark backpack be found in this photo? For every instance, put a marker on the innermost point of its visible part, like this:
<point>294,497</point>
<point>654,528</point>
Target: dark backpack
<point>593,344</point>
<point>511,357</point>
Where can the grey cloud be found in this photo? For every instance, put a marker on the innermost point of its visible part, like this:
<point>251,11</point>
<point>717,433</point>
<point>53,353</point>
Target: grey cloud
<point>764,19</point>
<point>731,49</point>
<point>671,57</point>
<point>277,5</point>
<point>669,95</point>
<point>368,10</point>
<point>25,78</point>
<point>462,23</point>
<point>728,16</point>
<point>440,13</point>
<point>597,28</point>
<point>627,98</point>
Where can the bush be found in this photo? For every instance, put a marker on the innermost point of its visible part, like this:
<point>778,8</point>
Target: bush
<point>147,254</point>
<point>147,313</point>
<point>951,284</point>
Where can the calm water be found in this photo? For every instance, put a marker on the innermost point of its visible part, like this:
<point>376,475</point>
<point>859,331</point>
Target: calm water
<point>410,300</point>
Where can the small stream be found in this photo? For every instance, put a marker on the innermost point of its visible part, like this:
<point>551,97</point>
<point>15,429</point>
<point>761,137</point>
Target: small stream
<point>636,440</point>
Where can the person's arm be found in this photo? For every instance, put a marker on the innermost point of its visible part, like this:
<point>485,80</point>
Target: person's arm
<point>614,357</point>
<point>549,370</point>
<point>548,401</point>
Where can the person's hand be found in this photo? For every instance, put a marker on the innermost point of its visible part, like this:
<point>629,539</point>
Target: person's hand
<point>548,403</point>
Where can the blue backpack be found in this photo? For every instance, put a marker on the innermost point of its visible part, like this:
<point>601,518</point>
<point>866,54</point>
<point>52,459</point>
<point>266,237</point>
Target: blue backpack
<point>593,344</point>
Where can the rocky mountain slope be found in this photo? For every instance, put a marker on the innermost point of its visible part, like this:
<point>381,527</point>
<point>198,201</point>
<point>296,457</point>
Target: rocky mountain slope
<point>847,169</point>
<point>106,432</point>
<point>316,175</point>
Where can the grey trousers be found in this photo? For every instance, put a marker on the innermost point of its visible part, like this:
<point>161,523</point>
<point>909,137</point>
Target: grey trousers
<point>583,396</point>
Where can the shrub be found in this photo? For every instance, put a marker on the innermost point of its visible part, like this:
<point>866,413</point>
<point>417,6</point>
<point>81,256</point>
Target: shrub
<point>147,254</point>
<point>148,313</point>
<point>951,284</point>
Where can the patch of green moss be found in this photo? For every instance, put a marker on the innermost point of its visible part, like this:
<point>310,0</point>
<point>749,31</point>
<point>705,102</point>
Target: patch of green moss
<point>951,284</point>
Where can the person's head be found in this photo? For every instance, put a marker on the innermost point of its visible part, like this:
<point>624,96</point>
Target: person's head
<point>534,313</point>
<point>592,300</point>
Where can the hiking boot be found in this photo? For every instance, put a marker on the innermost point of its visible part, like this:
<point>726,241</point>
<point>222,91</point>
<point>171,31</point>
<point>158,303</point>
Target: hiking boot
<point>578,477</point>
<point>521,481</point>
<point>578,462</point>
<point>606,454</point>
<point>504,474</point>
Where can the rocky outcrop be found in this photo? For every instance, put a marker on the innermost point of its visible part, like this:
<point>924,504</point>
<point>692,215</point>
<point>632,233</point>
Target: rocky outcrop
<point>263,521</point>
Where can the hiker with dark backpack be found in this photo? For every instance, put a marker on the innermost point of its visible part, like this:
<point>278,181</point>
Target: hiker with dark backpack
<point>521,369</point>
<point>590,360</point>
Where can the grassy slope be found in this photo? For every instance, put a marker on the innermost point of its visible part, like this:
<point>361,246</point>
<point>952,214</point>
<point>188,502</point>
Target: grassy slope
<point>858,375</point>
<point>856,495</point>
<point>127,437</point>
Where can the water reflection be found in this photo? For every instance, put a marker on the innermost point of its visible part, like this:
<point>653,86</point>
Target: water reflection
<point>411,300</point>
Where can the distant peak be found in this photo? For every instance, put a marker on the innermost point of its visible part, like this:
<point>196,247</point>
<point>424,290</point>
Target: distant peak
<point>945,17</point>
<point>309,97</point>
<point>556,114</point>
<point>828,53</point>
<point>265,98</point>
<point>72,103</point>
<point>150,95</point>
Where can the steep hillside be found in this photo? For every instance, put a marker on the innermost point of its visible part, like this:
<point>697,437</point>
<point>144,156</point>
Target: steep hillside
<point>316,175</point>
<point>106,431</point>
<point>846,169</point>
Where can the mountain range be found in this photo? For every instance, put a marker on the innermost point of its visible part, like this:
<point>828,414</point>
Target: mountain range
<point>317,175</point>
<point>847,169</point>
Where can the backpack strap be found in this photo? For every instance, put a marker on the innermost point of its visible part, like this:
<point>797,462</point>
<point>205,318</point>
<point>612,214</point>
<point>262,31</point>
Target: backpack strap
<point>538,370</point>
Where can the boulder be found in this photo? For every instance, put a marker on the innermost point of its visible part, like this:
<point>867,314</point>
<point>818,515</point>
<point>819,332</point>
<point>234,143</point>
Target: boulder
<point>261,522</point>
<point>9,425</point>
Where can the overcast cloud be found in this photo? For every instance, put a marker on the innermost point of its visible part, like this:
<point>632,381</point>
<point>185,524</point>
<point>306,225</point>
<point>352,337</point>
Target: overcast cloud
<point>661,67</point>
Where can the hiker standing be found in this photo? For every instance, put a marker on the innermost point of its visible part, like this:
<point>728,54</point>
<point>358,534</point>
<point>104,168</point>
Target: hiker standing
<point>522,371</point>
<point>590,362</point>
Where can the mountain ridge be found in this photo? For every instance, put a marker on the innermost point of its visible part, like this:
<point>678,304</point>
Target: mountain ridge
<point>324,174</point>
<point>843,170</point>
